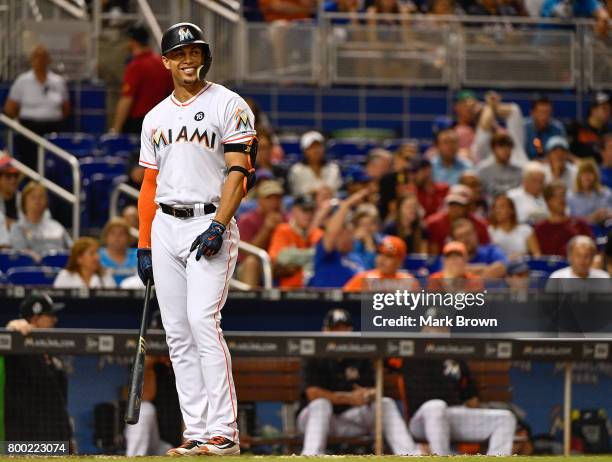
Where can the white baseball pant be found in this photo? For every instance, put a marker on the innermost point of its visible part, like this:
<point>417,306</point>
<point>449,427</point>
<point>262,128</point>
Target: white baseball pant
<point>191,295</point>
<point>317,421</point>
<point>143,438</point>
<point>440,424</point>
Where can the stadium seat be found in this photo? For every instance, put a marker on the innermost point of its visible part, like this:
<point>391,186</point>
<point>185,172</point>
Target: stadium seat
<point>291,145</point>
<point>337,149</point>
<point>97,189</point>
<point>12,258</point>
<point>547,263</point>
<point>32,275</point>
<point>78,144</point>
<point>417,263</point>
<point>56,259</point>
<point>113,166</point>
<point>111,144</point>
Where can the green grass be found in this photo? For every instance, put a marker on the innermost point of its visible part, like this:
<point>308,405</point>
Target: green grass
<point>248,457</point>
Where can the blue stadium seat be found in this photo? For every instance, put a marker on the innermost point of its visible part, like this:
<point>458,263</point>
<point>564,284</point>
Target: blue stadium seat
<point>111,144</point>
<point>337,149</point>
<point>291,145</point>
<point>547,263</point>
<point>56,259</point>
<point>11,258</point>
<point>32,275</point>
<point>79,144</point>
<point>97,189</point>
<point>113,166</point>
<point>417,263</point>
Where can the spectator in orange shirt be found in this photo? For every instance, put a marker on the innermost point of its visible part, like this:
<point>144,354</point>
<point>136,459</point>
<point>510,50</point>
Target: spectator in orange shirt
<point>454,275</point>
<point>387,275</point>
<point>145,83</point>
<point>292,245</point>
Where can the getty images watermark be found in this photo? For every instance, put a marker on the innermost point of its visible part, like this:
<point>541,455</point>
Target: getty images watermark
<point>420,309</point>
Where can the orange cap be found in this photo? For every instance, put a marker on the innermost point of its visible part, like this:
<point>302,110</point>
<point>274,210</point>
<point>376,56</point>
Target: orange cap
<point>393,246</point>
<point>455,247</point>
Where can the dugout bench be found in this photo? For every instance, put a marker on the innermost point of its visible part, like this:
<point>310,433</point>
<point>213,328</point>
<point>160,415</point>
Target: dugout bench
<point>279,380</point>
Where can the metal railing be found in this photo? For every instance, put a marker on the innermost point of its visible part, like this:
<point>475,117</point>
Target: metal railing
<point>261,254</point>
<point>44,147</point>
<point>451,51</point>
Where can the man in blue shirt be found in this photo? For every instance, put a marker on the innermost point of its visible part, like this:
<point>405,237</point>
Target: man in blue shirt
<point>447,167</point>
<point>334,261</point>
<point>540,127</point>
<point>487,261</point>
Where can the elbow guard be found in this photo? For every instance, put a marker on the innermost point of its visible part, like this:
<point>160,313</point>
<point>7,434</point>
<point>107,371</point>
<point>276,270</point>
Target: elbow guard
<point>250,149</point>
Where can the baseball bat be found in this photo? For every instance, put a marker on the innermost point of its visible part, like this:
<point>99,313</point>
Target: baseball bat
<point>132,411</point>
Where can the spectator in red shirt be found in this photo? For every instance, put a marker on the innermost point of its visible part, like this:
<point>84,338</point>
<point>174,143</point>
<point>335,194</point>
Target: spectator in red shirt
<point>256,227</point>
<point>554,232</point>
<point>439,224</point>
<point>145,83</point>
<point>431,195</point>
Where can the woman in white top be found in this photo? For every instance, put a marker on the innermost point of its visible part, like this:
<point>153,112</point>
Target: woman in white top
<point>514,239</point>
<point>83,269</point>
<point>306,176</point>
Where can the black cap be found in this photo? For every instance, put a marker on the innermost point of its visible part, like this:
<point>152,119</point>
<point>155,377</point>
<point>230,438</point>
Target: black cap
<point>337,317</point>
<point>139,33</point>
<point>38,304</point>
<point>418,164</point>
<point>305,202</point>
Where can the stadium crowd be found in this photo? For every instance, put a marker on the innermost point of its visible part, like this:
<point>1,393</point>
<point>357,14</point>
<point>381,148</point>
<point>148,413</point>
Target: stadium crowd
<point>497,185</point>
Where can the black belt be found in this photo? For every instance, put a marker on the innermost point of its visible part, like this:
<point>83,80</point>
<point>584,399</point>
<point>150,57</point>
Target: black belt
<point>186,212</point>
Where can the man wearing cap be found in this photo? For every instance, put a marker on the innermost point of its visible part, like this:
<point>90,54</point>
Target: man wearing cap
<point>292,245</point>
<point>145,83</point>
<point>496,172</point>
<point>256,228</point>
<point>387,276</point>
<point>10,197</point>
<point>334,260</point>
<point>457,206</point>
<point>517,278</point>
<point>467,109</point>
<point>558,166</point>
<point>454,274</point>
<point>338,400</point>
<point>447,166</point>
<point>586,138</point>
<point>554,232</point>
<point>314,169</point>
<point>36,388</point>
<point>528,199</point>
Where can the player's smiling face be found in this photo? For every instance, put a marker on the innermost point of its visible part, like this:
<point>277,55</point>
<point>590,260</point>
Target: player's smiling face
<point>183,63</point>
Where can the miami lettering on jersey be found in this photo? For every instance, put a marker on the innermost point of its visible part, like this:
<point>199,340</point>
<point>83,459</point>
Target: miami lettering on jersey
<point>162,138</point>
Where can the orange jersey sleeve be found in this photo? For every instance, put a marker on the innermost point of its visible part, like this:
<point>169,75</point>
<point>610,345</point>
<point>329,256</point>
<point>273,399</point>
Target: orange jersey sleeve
<point>355,284</point>
<point>146,207</point>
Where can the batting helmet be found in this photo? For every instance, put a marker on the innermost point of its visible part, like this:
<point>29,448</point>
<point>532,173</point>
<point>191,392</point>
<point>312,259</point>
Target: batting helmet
<point>185,33</point>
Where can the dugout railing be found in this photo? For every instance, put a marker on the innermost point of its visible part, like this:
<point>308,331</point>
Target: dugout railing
<point>284,350</point>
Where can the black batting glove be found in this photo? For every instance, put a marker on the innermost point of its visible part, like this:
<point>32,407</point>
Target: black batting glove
<point>210,241</point>
<point>145,265</point>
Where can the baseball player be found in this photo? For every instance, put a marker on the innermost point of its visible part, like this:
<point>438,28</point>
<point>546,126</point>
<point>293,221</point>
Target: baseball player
<point>198,147</point>
<point>338,400</point>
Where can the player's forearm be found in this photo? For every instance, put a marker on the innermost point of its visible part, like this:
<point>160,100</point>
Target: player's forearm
<point>146,208</point>
<point>335,397</point>
<point>231,196</point>
<point>121,114</point>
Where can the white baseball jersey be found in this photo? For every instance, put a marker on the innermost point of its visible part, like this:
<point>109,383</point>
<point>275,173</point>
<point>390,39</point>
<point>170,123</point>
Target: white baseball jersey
<point>185,142</point>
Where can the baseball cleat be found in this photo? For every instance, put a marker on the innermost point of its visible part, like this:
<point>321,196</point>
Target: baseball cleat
<point>219,446</point>
<point>188,448</point>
